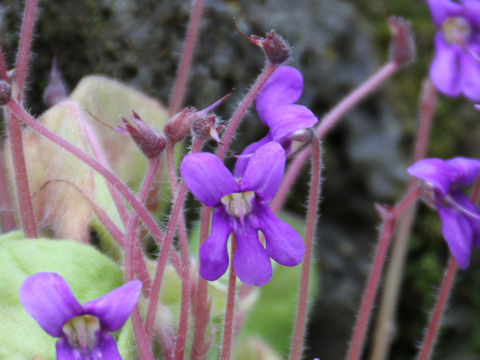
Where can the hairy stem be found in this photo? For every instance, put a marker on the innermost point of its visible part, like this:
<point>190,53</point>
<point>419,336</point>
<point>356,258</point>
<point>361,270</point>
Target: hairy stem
<point>363,318</point>
<point>242,109</point>
<point>312,215</point>
<point>178,93</point>
<point>229,310</point>
<point>385,324</point>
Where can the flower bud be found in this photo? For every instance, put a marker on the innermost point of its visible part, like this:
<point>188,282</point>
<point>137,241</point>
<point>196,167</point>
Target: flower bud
<point>206,127</point>
<point>276,48</point>
<point>179,126</point>
<point>5,92</point>
<point>56,89</point>
<point>147,139</point>
<point>402,46</point>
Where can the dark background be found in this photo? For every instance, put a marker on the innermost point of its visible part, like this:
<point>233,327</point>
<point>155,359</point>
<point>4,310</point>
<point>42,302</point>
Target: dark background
<point>336,44</point>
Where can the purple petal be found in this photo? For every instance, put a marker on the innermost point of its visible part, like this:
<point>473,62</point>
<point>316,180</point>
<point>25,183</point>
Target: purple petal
<point>470,81</point>
<point>436,172</point>
<point>250,261</point>
<point>284,87</point>
<point>445,71</point>
<point>458,234</point>
<point>106,349</point>
<point>66,352</point>
<point>49,300</point>
<point>207,178</point>
<point>114,308</point>
<point>264,171</point>
<point>213,252</point>
<point>243,160</point>
<point>471,212</point>
<point>284,243</point>
<point>285,120</point>
<point>472,11</point>
<point>466,169</point>
<point>443,9</point>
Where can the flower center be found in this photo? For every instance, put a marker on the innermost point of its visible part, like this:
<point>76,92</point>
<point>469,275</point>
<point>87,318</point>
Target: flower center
<point>239,204</point>
<point>456,30</point>
<point>81,331</point>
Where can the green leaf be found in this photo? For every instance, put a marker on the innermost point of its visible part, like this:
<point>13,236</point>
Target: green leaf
<point>89,273</point>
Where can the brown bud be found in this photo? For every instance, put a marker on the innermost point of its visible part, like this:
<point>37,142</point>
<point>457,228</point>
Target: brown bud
<point>402,46</point>
<point>151,143</point>
<point>276,48</point>
<point>205,127</point>
<point>5,92</point>
<point>179,126</point>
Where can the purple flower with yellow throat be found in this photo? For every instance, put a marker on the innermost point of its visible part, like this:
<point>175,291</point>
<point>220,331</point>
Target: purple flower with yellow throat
<point>82,330</point>
<point>455,69</point>
<point>442,188</point>
<point>241,208</point>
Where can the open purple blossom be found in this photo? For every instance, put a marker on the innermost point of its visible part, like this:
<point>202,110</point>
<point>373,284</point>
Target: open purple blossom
<point>276,108</point>
<point>460,217</point>
<point>456,66</point>
<point>241,207</point>
<point>82,330</point>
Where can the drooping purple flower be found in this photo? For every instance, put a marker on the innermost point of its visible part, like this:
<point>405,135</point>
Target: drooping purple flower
<point>460,217</point>
<point>456,66</point>
<point>276,108</point>
<point>241,207</point>
<point>82,330</point>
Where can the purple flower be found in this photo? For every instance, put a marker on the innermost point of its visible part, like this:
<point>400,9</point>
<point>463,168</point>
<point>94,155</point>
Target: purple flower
<point>83,331</point>
<point>276,108</point>
<point>460,217</point>
<point>241,207</point>
<point>456,66</point>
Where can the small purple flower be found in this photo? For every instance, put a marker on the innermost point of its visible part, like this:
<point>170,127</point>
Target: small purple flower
<point>83,331</point>
<point>241,207</point>
<point>276,108</point>
<point>460,217</point>
<point>456,66</point>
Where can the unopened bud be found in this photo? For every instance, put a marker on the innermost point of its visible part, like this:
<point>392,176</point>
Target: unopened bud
<point>148,140</point>
<point>206,127</point>
<point>5,92</point>
<point>179,126</point>
<point>276,48</point>
<point>402,46</point>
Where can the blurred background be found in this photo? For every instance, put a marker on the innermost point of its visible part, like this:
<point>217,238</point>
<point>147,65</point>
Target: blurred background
<point>336,44</point>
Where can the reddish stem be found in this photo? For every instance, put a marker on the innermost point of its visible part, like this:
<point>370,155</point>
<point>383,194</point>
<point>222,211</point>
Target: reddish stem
<point>242,109</point>
<point>24,47</point>
<point>142,342</point>
<point>312,216</point>
<point>229,310</point>
<point>443,295</point>
<point>327,123</point>
<point>111,178</point>
<point>3,66</point>
<point>25,205</point>
<point>186,61</point>
<point>356,345</point>
<point>202,305</point>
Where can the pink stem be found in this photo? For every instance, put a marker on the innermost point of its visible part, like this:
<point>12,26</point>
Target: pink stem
<point>229,311</point>
<point>24,47</point>
<point>142,342</point>
<point>186,61</point>
<point>394,273</point>
<point>3,66</point>
<point>6,212</point>
<point>356,345</point>
<point>25,205</point>
<point>327,123</point>
<point>312,216</point>
<point>202,305</point>
<point>443,295</point>
<point>111,178</point>
<point>242,108</point>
